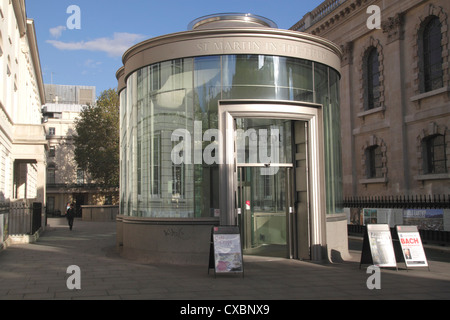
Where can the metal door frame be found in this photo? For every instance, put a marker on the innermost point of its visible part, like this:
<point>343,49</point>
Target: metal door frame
<point>311,113</point>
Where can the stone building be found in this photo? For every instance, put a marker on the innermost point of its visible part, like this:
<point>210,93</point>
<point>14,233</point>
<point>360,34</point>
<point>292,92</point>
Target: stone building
<point>395,91</point>
<point>22,137</point>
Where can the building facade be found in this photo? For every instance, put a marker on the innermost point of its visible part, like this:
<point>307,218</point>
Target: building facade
<point>65,181</point>
<point>233,122</point>
<point>22,138</point>
<point>395,93</point>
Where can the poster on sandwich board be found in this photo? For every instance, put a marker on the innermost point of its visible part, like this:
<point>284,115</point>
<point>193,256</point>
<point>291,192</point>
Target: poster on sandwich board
<point>411,246</point>
<point>378,249</point>
<point>226,250</point>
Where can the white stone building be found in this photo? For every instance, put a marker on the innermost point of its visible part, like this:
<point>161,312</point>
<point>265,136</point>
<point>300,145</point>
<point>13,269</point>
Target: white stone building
<point>22,137</point>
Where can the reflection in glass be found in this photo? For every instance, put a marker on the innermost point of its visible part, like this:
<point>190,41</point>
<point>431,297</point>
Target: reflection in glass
<point>263,203</point>
<point>267,77</point>
<point>263,141</point>
<point>182,95</point>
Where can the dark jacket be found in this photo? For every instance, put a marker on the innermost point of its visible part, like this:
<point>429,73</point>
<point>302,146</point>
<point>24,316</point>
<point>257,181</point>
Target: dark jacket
<point>70,213</point>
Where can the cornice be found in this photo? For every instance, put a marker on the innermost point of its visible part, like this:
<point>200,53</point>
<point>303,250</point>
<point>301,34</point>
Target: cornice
<point>227,33</point>
<point>34,51</point>
<point>229,41</point>
<point>21,18</point>
<point>339,14</point>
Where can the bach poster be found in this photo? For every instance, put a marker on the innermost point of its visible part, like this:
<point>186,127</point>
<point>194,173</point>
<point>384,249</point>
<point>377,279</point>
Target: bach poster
<point>412,247</point>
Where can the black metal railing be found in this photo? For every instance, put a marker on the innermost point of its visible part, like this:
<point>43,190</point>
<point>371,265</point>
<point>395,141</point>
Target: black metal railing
<point>427,236</point>
<point>36,220</point>
<point>405,202</point>
<point>402,202</point>
<point>23,217</point>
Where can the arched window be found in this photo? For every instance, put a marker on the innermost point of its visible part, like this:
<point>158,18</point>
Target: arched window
<point>374,162</point>
<point>432,55</point>
<point>433,154</point>
<point>373,79</point>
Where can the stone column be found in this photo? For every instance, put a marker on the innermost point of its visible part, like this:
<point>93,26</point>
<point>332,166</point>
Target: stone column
<point>396,103</point>
<point>347,124</point>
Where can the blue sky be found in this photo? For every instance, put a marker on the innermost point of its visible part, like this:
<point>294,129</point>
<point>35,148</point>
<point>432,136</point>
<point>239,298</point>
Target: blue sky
<point>92,54</point>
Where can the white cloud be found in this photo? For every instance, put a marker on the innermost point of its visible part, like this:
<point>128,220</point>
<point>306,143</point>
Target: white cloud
<point>114,47</point>
<point>57,31</point>
<point>92,63</point>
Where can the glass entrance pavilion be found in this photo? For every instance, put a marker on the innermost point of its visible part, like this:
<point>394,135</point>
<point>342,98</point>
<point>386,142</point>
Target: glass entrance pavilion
<point>233,122</point>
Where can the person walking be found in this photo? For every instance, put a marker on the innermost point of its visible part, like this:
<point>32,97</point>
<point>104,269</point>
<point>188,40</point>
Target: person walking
<point>70,215</point>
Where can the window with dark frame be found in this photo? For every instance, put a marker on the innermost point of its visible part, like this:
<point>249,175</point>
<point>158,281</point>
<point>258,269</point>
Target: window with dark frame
<point>155,78</point>
<point>373,79</point>
<point>155,163</point>
<point>432,55</point>
<point>52,152</point>
<point>51,170</point>
<point>433,154</point>
<point>178,181</point>
<point>268,182</point>
<point>178,172</point>
<point>374,163</point>
<point>139,166</point>
<point>80,176</point>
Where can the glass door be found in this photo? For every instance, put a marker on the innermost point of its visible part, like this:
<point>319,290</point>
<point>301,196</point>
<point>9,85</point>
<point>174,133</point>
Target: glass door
<point>264,166</point>
<point>266,143</point>
<point>265,206</point>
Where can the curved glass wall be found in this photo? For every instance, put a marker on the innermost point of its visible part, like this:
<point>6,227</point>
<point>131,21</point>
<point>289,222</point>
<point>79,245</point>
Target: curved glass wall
<point>171,105</point>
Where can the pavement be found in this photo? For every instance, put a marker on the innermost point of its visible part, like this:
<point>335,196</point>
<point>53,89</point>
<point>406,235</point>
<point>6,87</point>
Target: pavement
<point>39,271</point>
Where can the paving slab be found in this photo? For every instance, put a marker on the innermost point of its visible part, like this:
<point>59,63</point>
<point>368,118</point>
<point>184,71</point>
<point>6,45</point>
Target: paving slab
<point>38,271</point>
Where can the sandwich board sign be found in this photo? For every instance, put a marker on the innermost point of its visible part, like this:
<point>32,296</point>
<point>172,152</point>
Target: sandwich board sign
<point>377,248</point>
<point>225,250</point>
<point>411,246</point>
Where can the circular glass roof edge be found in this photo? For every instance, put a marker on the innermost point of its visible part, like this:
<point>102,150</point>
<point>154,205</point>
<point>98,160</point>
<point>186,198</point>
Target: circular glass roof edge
<point>240,17</point>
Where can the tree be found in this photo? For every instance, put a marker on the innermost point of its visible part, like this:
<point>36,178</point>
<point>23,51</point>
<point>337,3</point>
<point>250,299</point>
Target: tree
<point>97,139</point>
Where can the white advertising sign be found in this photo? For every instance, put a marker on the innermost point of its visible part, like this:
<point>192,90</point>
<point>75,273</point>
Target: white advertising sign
<point>412,247</point>
<point>381,247</point>
<point>227,252</point>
